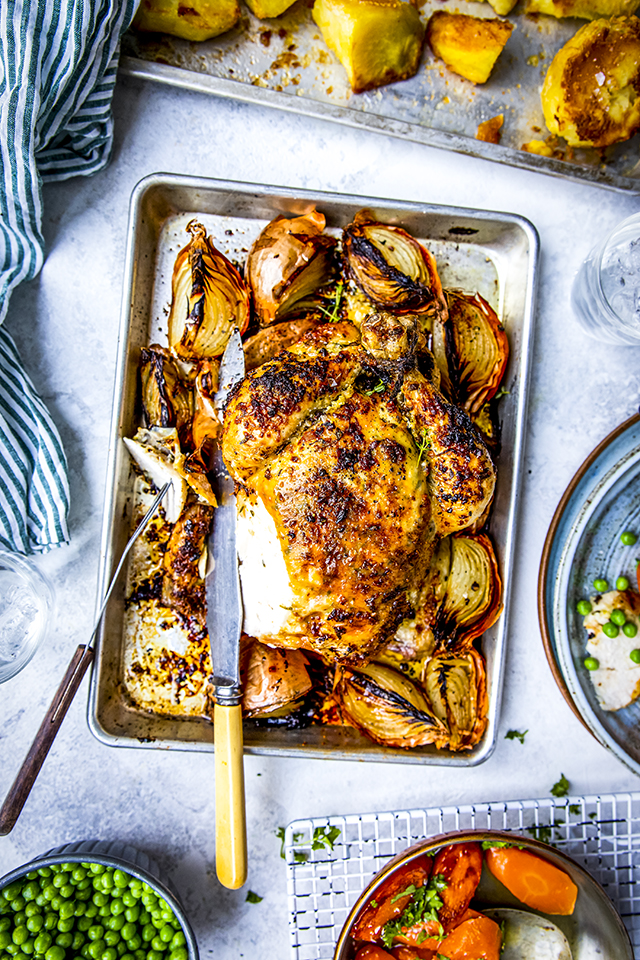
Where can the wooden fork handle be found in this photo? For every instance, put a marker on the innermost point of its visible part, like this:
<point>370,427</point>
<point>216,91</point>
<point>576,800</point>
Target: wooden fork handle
<point>26,777</point>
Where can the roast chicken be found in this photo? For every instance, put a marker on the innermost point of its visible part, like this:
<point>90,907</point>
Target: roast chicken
<point>350,465</point>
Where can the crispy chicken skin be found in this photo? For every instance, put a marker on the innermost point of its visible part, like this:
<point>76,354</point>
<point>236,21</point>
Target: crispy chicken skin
<point>361,463</point>
<point>182,583</point>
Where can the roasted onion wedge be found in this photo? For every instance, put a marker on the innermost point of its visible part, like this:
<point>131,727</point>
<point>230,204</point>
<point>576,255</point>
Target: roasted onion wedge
<point>481,346</point>
<point>391,268</point>
<point>274,681</point>
<point>387,707</point>
<point>167,401</point>
<point>270,341</point>
<point>473,595</point>
<point>208,298</point>
<point>457,690</point>
<point>289,260</point>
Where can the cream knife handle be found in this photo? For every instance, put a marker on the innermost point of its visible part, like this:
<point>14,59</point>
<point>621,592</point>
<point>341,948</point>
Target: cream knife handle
<point>231,829</point>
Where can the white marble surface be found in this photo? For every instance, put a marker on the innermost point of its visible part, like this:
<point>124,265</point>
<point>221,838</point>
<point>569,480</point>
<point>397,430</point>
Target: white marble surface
<point>65,322</point>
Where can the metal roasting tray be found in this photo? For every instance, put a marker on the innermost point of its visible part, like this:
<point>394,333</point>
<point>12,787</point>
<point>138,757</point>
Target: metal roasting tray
<point>285,64</point>
<point>493,253</point>
<point>602,833</point>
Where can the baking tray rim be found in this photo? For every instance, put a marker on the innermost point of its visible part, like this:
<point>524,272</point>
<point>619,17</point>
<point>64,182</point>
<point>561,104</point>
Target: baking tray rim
<point>106,564</point>
<point>185,79</point>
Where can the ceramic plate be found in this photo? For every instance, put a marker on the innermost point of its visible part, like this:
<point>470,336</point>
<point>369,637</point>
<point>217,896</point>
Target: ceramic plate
<point>583,543</point>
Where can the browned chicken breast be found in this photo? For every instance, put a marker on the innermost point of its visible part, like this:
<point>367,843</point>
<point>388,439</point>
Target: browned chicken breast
<point>351,464</point>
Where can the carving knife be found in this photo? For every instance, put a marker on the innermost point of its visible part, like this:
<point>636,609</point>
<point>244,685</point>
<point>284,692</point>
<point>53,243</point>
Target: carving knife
<point>224,623</point>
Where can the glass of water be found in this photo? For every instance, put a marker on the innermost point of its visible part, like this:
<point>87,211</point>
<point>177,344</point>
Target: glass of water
<point>606,291</point>
<point>26,605</point>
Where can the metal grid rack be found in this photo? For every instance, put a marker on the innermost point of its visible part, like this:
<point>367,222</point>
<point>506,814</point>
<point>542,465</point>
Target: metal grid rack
<point>601,832</point>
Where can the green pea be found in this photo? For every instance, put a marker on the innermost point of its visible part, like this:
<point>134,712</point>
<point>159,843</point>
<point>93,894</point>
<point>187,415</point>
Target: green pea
<point>104,911</point>
<point>67,891</point>
<point>5,924</point>
<point>117,907</point>
<point>635,656</point>
<point>5,939</point>
<point>107,881</point>
<point>31,890</point>
<point>12,891</point>
<point>157,920</point>
<point>610,629</point>
<point>20,918</point>
<point>167,934</point>
<point>630,629</point>
<point>27,947</point>
<point>128,898</point>
<point>148,932</point>
<point>35,923</point>
<point>80,909</point>
<point>50,921</point>
<point>115,923</point>
<point>136,888</point>
<point>591,663</point>
<point>622,583</point>
<point>96,949</point>
<point>158,944</point>
<point>628,538</point>
<point>41,900</point>
<point>32,909</point>
<point>96,868</point>
<point>100,898</point>
<point>43,942</point>
<point>44,871</point>
<point>121,948</point>
<point>79,873</point>
<point>111,937</point>
<point>85,884</point>
<point>127,956</point>
<point>67,909</point>
<point>600,585</point>
<point>78,941</point>
<point>140,954</point>
<point>19,903</point>
<point>618,617</point>
<point>95,932</point>
<point>13,950</point>
<point>134,942</point>
<point>583,607</point>
<point>132,913</point>
<point>66,925</point>
<point>179,940</point>
<point>59,880</point>
<point>155,955</point>
<point>54,953</point>
<point>128,931</point>
<point>150,901</point>
<point>64,939</point>
<point>120,878</point>
<point>180,954</point>
<point>110,954</point>
<point>145,917</point>
<point>91,911</point>
<point>84,951</point>
<point>20,934</point>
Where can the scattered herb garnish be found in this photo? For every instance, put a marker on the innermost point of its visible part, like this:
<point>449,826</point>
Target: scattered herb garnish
<point>593,815</point>
<point>574,808</point>
<point>516,735</point>
<point>495,844</point>
<point>404,893</point>
<point>374,904</point>
<point>280,836</point>
<point>544,832</point>
<point>423,907</point>
<point>502,392</point>
<point>300,856</point>
<point>324,837</point>
<point>561,788</point>
<point>424,445</point>
<point>379,388</point>
<point>253,897</point>
<point>332,315</point>
<point>422,936</point>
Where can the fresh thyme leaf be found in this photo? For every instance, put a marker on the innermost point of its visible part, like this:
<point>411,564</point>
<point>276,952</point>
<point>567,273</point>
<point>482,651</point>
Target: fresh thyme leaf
<point>324,837</point>
<point>423,907</point>
<point>561,788</point>
<point>424,445</point>
<point>574,808</point>
<point>501,393</point>
<point>516,735</point>
<point>253,897</point>
<point>379,388</point>
<point>404,893</point>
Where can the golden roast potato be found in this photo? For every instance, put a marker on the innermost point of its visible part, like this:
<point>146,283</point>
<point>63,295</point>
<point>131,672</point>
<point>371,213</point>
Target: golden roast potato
<point>585,9</point>
<point>197,20</point>
<point>591,94</point>
<point>376,41</point>
<point>468,45</point>
<point>264,9</point>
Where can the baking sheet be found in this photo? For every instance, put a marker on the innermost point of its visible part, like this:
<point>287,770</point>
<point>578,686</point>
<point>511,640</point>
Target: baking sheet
<point>284,63</point>
<point>494,253</point>
<point>602,833</point>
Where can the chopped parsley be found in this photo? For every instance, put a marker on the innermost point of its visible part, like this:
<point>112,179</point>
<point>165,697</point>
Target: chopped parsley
<point>496,844</point>
<point>253,897</point>
<point>300,856</point>
<point>404,893</point>
<point>574,808</point>
<point>516,735</point>
<point>422,908</point>
<point>544,832</point>
<point>561,788</point>
<point>324,837</point>
<point>280,836</point>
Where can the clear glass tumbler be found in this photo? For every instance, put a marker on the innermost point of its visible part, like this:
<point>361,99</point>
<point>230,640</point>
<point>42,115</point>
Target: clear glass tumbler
<point>26,605</point>
<point>606,291</point>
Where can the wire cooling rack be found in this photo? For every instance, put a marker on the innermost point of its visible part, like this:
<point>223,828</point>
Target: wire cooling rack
<point>601,832</point>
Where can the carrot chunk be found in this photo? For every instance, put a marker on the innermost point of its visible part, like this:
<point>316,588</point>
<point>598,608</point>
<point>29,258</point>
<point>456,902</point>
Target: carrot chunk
<point>534,881</point>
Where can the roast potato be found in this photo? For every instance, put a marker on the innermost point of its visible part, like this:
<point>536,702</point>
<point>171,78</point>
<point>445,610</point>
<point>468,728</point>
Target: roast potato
<point>197,20</point>
<point>268,8</point>
<point>468,45</point>
<point>376,41</point>
<point>591,94</point>
<point>585,9</point>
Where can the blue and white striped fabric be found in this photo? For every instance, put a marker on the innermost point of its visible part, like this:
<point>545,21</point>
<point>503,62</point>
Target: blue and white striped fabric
<point>58,63</point>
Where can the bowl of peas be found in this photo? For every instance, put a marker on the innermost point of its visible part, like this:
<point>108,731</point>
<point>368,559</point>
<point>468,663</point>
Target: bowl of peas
<point>92,900</point>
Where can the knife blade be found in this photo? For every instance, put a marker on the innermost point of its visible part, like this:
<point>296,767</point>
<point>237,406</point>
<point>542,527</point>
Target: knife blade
<point>224,623</point>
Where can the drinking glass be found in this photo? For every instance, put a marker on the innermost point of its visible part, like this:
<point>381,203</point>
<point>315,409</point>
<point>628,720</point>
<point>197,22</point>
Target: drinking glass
<point>26,605</point>
<point>606,291</point>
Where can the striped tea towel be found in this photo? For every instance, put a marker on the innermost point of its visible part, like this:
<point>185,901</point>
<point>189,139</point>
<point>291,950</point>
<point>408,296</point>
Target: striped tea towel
<point>58,63</point>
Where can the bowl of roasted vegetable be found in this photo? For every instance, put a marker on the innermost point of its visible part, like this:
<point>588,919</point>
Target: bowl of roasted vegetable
<point>480,895</point>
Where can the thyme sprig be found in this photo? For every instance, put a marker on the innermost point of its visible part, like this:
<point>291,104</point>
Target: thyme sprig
<point>333,315</point>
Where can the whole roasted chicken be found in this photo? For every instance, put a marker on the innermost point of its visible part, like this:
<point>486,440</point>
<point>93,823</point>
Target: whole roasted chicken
<point>351,465</point>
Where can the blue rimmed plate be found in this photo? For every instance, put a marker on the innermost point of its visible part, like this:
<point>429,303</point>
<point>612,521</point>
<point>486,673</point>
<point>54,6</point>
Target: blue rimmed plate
<point>583,543</point>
